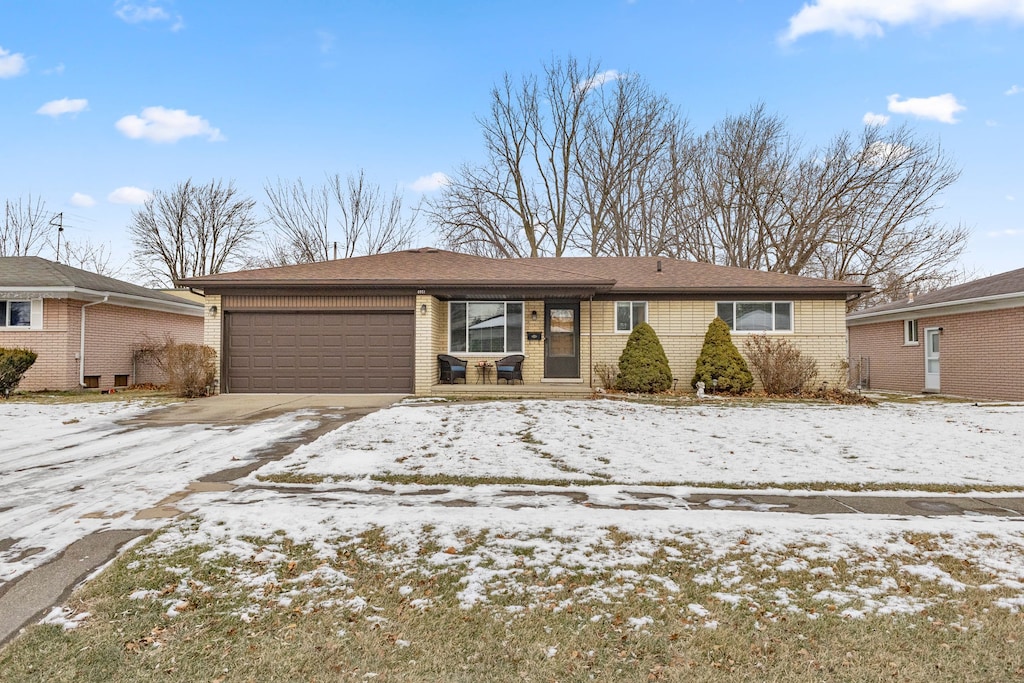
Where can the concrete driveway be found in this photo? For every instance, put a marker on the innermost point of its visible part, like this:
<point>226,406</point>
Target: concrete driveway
<point>87,484</point>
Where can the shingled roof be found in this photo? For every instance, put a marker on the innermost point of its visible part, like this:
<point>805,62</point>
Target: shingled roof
<point>988,289</point>
<point>437,268</point>
<point>21,273</point>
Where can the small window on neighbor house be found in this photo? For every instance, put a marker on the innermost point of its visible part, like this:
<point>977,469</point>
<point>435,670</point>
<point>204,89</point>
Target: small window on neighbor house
<point>120,380</point>
<point>15,313</point>
<point>629,314</point>
<point>910,335</point>
<point>91,381</point>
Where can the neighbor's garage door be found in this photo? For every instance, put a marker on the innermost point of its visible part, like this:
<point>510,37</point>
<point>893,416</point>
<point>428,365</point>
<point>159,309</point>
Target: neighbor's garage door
<point>328,352</point>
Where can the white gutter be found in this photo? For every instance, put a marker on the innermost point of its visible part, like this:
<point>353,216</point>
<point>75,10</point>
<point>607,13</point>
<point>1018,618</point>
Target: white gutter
<point>81,352</point>
<point>184,306</point>
<point>981,303</point>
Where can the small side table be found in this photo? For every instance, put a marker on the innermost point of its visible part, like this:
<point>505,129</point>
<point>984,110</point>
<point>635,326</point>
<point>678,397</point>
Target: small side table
<point>483,372</point>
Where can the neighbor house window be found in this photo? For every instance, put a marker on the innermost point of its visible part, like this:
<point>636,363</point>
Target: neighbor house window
<point>485,326</point>
<point>910,331</point>
<point>757,316</point>
<point>629,314</point>
<point>15,313</point>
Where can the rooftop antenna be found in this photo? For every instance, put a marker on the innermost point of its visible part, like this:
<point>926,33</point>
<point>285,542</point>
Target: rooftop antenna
<point>58,222</point>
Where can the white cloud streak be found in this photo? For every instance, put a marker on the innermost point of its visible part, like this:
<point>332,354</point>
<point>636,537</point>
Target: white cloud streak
<point>128,195</point>
<point>63,106</point>
<point>1014,90</point>
<point>430,183</point>
<point>12,64</point>
<point>82,200</point>
<point>873,119</point>
<point>1010,232</point>
<point>870,18</point>
<point>132,13</point>
<point>599,79</point>
<point>159,124</point>
<point>942,108</point>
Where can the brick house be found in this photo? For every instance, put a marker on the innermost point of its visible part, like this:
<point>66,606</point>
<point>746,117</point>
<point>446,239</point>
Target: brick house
<point>962,341</point>
<point>85,327</point>
<point>377,323</point>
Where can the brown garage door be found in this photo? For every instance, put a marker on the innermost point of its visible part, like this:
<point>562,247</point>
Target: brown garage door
<point>328,352</point>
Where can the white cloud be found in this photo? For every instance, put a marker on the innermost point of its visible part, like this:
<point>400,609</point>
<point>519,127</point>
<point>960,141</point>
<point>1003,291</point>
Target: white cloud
<point>1010,198</point>
<point>1010,232</point>
<point>136,14</point>
<point>430,183</point>
<point>128,195</point>
<point>160,124</point>
<point>1014,90</point>
<point>599,79</point>
<point>133,13</point>
<point>56,108</point>
<point>57,70</point>
<point>83,200</point>
<point>12,64</point>
<point>873,119</point>
<point>862,18</point>
<point>941,108</point>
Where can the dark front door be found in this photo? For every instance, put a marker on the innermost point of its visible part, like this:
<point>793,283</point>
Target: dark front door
<point>562,339</point>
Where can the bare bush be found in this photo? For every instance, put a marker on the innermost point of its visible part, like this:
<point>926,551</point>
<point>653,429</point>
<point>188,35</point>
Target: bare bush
<point>780,366</point>
<point>190,368</point>
<point>606,373</point>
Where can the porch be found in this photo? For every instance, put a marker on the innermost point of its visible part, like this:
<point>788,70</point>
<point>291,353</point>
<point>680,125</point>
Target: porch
<point>531,390</point>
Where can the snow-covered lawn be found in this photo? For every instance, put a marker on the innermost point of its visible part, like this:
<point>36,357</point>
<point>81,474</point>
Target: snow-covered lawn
<point>69,470</point>
<point>617,441</point>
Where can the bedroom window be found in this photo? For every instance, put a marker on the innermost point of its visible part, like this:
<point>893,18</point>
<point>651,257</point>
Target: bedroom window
<point>485,327</point>
<point>629,314</point>
<point>757,316</point>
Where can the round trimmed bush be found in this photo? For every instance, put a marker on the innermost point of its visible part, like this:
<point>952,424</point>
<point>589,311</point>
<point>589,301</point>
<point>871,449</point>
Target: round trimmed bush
<point>643,365</point>
<point>720,359</point>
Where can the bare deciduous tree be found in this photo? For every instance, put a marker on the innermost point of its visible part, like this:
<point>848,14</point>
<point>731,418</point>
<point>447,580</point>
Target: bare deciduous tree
<point>192,230</point>
<point>525,199</point>
<point>369,220</point>
<point>23,231</point>
<point>93,258</point>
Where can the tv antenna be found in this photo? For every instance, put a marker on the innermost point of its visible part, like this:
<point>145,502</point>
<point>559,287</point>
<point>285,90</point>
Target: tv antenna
<point>58,222</point>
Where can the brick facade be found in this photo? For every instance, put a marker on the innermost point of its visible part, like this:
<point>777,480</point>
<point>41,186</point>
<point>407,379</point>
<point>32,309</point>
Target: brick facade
<point>819,331</point>
<point>112,333</point>
<point>980,354</point>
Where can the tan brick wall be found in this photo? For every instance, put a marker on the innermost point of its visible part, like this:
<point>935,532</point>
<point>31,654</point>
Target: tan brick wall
<point>980,354</point>
<point>213,325</point>
<point>112,334</point>
<point>820,331</point>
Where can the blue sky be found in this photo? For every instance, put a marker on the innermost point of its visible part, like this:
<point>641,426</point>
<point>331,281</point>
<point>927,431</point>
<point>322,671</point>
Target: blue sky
<point>101,102</point>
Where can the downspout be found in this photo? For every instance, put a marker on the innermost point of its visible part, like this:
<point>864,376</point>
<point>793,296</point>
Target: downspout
<point>81,352</point>
<point>590,339</point>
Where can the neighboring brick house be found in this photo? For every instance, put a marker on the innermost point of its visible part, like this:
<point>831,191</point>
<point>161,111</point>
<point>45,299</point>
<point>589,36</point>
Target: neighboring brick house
<point>962,341</point>
<point>378,323</point>
<point>47,306</point>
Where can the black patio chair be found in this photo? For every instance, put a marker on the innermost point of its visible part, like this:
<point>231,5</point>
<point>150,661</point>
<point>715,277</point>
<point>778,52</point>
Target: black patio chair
<point>451,369</point>
<point>510,369</point>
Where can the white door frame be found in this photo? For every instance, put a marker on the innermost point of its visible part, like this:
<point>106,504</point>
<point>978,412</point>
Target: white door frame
<point>932,354</point>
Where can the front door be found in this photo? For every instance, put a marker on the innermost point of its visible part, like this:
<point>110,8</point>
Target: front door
<point>931,359</point>
<point>562,340</point>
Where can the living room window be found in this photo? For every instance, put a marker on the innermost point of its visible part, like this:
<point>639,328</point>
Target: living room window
<point>757,316</point>
<point>485,327</point>
<point>629,314</point>
<point>910,332</point>
<point>16,314</point>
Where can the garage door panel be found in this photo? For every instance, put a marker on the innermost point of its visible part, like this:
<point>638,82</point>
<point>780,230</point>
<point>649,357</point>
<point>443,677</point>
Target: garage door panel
<point>319,352</point>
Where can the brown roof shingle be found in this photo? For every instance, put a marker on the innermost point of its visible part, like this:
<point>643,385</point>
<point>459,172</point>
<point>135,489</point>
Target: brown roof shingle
<point>436,268</point>
<point>1003,284</point>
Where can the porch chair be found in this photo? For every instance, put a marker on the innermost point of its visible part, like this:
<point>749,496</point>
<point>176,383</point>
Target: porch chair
<point>451,369</point>
<point>510,369</point>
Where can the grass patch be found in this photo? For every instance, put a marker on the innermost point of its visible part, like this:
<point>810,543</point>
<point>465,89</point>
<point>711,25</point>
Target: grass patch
<point>283,612</point>
<point>154,396</point>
